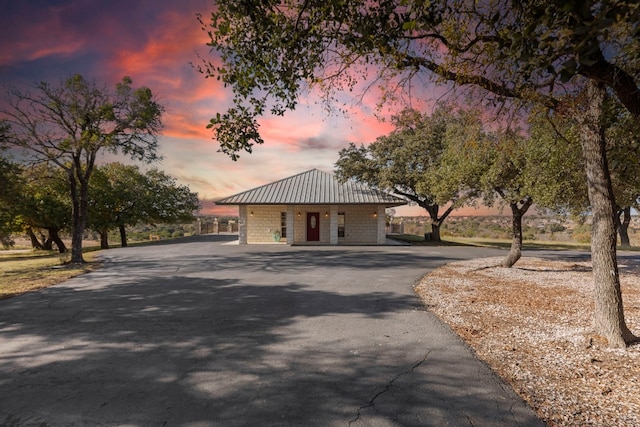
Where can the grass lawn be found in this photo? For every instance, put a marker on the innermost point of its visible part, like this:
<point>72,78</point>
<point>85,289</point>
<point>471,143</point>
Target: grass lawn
<point>26,271</point>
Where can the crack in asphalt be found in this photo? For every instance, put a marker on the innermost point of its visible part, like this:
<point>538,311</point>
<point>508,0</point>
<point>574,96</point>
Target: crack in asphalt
<point>372,402</point>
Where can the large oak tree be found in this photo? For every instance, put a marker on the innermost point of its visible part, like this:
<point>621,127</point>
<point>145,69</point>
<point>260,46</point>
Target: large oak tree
<point>122,195</point>
<point>407,162</point>
<point>517,52</point>
<point>70,123</point>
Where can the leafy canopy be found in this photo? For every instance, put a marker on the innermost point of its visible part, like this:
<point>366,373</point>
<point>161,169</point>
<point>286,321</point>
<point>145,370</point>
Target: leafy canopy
<point>531,51</point>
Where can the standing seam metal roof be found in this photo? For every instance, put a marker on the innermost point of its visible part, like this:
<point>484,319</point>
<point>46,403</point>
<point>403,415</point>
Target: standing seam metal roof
<point>312,187</point>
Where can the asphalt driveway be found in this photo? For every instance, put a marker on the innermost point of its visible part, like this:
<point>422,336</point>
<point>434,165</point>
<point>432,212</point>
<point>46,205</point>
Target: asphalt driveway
<point>201,333</point>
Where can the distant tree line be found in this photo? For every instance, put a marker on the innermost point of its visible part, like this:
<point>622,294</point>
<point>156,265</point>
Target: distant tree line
<point>547,228</point>
<point>37,204</point>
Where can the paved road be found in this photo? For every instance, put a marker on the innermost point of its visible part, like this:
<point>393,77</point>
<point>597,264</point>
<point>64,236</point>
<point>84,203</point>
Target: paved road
<point>202,333</point>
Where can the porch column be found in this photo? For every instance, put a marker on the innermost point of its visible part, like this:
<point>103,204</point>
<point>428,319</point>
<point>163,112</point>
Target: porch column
<point>290,224</point>
<point>382,235</point>
<point>242,225</point>
<point>333,225</point>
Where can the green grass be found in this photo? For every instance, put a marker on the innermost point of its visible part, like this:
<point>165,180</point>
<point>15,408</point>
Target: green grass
<point>31,270</point>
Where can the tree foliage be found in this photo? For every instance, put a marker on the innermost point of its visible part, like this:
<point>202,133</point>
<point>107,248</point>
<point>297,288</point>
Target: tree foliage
<point>70,123</point>
<point>10,194</point>
<point>45,204</point>
<point>273,51</point>
<point>122,196</point>
<point>407,162</point>
<point>115,199</point>
<point>166,201</point>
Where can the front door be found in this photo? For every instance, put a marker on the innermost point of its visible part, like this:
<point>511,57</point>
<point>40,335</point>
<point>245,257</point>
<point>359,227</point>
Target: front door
<point>313,226</point>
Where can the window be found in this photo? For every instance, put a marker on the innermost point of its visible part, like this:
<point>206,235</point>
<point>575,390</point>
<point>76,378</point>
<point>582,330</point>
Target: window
<point>340,224</point>
<point>283,224</point>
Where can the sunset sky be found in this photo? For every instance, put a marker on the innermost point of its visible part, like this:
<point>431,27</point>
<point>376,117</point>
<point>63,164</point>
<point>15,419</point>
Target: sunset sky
<point>155,42</point>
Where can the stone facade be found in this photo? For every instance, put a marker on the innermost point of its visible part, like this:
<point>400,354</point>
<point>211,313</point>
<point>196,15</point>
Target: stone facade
<point>363,224</point>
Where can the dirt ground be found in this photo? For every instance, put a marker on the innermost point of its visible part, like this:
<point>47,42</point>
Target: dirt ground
<point>532,324</point>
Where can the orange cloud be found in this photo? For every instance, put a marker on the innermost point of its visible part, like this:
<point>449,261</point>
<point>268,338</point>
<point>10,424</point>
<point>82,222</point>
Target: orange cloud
<point>209,208</point>
<point>181,125</point>
<point>164,64</point>
<point>290,129</point>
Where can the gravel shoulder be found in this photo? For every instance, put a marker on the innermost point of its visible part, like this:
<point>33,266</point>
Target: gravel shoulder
<point>532,325</point>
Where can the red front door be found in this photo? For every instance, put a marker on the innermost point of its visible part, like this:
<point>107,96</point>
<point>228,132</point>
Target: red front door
<point>313,226</point>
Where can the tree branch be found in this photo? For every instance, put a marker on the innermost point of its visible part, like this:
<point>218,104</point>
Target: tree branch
<point>622,83</point>
<point>480,81</point>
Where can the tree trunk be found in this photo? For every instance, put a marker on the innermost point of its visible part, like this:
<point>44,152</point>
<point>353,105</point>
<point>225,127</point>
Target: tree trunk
<point>435,231</point>
<point>623,226</point>
<point>517,212</point>
<point>104,239</point>
<point>35,243</point>
<point>48,243</point>
<point>123,235</point>
<point>436,222</point>
<point>53,236</point>
<point>609,318</point>
<point>79,216</point>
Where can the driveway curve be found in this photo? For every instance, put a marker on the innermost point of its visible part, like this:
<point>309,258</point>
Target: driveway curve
<point>197,332</point>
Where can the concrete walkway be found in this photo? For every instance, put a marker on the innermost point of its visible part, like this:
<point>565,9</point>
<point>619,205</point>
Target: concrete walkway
<point>198,333</point>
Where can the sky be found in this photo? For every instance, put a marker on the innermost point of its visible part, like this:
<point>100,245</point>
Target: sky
<point>157,43</point>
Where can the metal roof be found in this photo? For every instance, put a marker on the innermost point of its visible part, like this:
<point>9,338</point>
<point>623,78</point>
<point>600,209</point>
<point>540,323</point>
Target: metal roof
<point>313,187</point>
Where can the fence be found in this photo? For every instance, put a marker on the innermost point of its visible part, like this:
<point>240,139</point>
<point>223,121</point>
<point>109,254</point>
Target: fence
<point>395,229</point>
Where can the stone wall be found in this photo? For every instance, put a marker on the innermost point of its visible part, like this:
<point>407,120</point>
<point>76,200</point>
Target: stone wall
<point>360,223</point>
<point>364,224</point>
<point>263,222</point>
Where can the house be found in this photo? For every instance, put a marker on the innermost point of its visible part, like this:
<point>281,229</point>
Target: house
<point>312,207</point>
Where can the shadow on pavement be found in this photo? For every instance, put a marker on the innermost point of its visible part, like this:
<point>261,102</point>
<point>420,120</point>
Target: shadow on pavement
<point>189,340</point>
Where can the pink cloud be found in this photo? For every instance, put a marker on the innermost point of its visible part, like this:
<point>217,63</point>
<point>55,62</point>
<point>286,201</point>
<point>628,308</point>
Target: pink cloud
<point>180,125</point>
<point>23,51</point>
<point>290,129</point>
<point>164,64</point>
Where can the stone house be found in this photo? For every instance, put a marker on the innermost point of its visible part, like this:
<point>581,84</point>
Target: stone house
<point>312,207</point>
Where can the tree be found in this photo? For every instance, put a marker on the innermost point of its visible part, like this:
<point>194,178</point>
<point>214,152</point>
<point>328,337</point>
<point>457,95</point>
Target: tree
<point>513,52</point>
<point>116,199</point>
<point>45,205</point>
<point>561,185</point>
<point>32,198</point>
<point>494,165</point>
<point>556,143</point>
<point>10,193</point>
<point>70,123</point>
<point>166,201</point>
<point>406,162</point>
<point>122,196</point>
<point>623,150</point>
